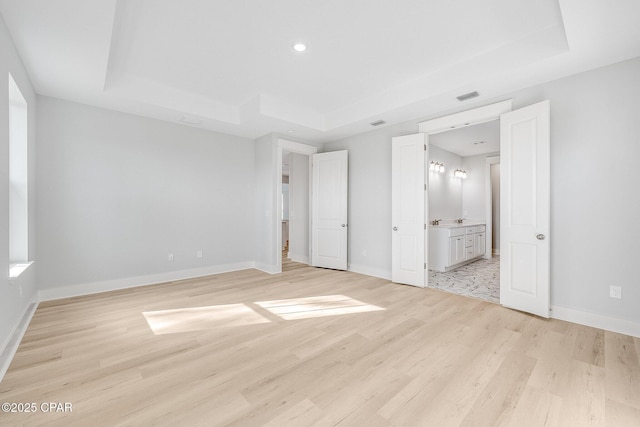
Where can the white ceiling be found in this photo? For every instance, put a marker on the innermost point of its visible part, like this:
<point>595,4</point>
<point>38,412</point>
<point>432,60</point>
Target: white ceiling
<point>472,140</point>
<point>229,66</point>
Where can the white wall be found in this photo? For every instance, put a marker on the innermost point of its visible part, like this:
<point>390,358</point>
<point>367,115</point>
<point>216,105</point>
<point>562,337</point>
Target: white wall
<point>594,230</point>
<point>267,194</point>
<point>369,200</point>
<point>118,193</point>
<point>475,186</point>
<point>445,190</point>
<point>15,296</point>
<point>594,117</point>
<point>299,207</point>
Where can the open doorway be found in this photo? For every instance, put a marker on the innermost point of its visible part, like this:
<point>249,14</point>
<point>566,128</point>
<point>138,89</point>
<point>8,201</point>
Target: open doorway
<point>284,201</point>
<point>295,210</point>
<point>293,169</point>
<point>524,204</point>
<point>464,210</point>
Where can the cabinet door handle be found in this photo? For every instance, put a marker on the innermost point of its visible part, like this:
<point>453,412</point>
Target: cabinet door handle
<point>395,228</point>
<point>540,236</point>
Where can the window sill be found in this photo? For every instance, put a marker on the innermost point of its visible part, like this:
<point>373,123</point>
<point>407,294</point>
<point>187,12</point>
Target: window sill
<point>16,269</point>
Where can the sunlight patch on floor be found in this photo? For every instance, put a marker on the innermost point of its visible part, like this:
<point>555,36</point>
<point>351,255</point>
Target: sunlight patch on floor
<point>320,306</point>
<point>202,318</point>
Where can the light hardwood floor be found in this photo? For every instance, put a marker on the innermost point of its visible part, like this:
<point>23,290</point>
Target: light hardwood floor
<point>368,353</point>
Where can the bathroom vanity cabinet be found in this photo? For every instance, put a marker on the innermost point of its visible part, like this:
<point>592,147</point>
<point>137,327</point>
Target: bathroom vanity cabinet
<point>453,245</point>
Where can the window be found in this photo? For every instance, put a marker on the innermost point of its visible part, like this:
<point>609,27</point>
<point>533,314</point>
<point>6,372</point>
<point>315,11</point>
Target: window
<point>18,196</point>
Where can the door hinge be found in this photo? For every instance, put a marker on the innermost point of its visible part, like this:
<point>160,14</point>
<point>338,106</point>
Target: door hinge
<point>425,265</point>
<point>425,147</point>
<point>425,187</point>
<point>425,226</point>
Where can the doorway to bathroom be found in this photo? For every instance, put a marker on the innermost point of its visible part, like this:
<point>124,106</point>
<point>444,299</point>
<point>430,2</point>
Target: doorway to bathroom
<point>464,211</point>
<point>524,205</point>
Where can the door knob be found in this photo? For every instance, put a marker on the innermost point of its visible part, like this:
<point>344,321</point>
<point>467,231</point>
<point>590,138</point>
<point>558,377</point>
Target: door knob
<point>540,237</point>
<point>344,225</point>
<point>395,228</point>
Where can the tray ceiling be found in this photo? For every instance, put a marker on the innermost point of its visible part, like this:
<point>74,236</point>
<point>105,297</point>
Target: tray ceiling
<point>229,66</point>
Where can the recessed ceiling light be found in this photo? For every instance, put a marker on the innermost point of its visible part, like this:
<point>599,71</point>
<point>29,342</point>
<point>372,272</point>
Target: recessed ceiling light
<point>299,47</point>
<point>290,131</point>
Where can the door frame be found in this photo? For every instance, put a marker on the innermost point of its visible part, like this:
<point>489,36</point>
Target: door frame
<point>465,118</point>
<point>471,117</point>
<point>488,201</point>
<point>292,147</point>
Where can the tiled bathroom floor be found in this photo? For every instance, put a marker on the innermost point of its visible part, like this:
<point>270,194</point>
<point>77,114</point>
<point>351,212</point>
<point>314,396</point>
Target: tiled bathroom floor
<point>480,279</point>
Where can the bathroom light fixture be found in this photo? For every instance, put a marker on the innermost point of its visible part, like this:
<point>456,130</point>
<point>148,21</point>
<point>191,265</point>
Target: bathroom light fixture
<point>436,167</point>
<point>459,173</point>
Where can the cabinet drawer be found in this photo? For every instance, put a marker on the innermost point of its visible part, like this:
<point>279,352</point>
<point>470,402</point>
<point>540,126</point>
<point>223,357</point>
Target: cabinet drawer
<point>470,253</point>
<point>470,230</point>
<point>480,228</point>
<point>469,240</point>
<point>453,232</point>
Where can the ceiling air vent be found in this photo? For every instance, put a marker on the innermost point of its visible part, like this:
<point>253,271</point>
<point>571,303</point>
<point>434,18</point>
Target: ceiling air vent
<point>468,96</point>
<point>377,123</point>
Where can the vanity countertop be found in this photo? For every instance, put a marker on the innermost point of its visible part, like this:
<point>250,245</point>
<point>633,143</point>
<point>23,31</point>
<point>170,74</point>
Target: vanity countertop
<point>456,225</point>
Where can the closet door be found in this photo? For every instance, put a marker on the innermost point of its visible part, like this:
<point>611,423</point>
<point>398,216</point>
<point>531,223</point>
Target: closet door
<point>329,210</point>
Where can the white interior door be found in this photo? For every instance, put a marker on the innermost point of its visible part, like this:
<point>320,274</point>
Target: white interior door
<point>329,210</point>
<point>525,209</point>
<point>408,209</point>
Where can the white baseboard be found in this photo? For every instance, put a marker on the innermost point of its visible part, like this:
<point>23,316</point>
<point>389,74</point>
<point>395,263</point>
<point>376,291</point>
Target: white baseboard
<point>267,268</point>
<point>370,271</point>
<point>132,282</point>
<point>10,347</point>
<point>299,258</point>
<point>594,320</point>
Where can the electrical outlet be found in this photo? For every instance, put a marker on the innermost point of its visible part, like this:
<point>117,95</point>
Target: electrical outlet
<point>170,257</point>
<point>615,292</point>
<point>199,253</point>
